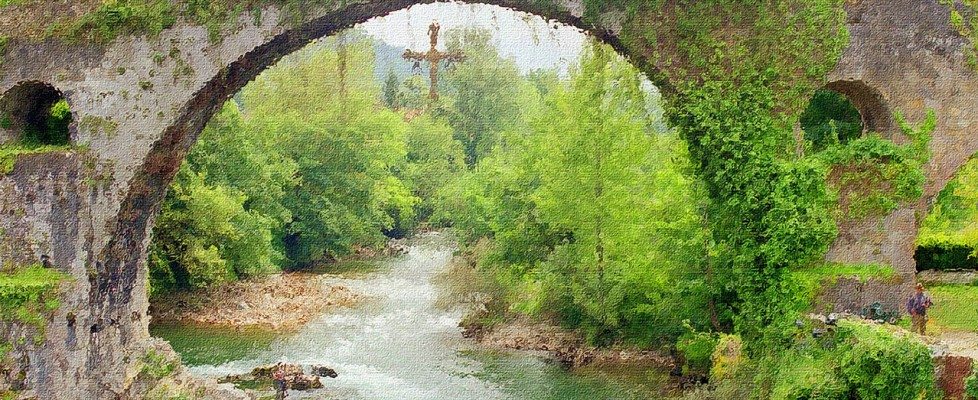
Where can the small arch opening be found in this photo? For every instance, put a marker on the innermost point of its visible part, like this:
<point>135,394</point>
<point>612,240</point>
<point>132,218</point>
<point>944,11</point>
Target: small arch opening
<point>830,118</point>
<point>845,110</point>
<point>35,114</point>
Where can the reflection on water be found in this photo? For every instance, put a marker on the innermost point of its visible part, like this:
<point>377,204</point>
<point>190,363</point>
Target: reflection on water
<point>398,345</point>
<point>203,345</point>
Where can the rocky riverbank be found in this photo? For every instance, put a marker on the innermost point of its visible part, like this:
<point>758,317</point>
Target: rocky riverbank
<point>567,347</point>
<point>284,301</point>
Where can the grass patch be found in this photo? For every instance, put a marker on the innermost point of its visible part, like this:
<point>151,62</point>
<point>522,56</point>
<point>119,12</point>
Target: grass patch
<point>836,270</point>
<point>5,3</point>
<point>27,296</point>
<point>27,293</point>
<point>9,154</point>
<point>811,279</point>
<point>955,307</point>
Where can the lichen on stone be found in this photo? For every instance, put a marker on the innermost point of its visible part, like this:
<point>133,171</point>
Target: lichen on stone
<point>95,124</point>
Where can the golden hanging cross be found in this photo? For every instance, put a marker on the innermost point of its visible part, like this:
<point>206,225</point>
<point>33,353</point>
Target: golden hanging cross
<point>433,57</point>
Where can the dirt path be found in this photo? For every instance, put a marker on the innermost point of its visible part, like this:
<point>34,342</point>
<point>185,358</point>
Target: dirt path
<point>960,343</point>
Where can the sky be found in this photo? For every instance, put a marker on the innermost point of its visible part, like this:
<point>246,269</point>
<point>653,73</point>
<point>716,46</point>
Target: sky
<point>529,40</point>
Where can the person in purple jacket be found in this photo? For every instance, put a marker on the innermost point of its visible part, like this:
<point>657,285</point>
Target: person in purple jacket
<point>917,306</point>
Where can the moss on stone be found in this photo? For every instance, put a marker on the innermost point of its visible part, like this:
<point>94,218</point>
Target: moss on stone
<point>810,280</point>
<point>150,17</point>
<point>157,365</point>
<point>9,154</point>
<point>963,17</point>
<point>4,40</point>
<point>27,296</point>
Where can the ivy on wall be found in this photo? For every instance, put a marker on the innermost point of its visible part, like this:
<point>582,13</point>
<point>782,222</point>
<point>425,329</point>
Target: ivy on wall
<point>872,176</point>
<point>964,18</point>
<point>134,17</point>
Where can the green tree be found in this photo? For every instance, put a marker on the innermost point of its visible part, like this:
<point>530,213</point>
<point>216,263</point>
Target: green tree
<point>320,105</point>
<point>305,173</point>
<point>392,90</point>
<point>433,158</point>
<point>610,181</point>
<point>591,216</point>
<point>224,210</point>
<point>485,91</point>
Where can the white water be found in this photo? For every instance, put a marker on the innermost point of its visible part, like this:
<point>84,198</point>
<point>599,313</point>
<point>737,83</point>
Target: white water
<point>397,346</point>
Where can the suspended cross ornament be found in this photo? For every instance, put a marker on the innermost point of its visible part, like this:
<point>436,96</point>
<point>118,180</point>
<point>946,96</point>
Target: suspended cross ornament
<point>434,58</point>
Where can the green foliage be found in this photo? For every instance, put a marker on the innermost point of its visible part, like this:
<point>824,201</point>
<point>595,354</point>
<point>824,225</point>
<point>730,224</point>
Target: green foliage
<point>809,279</point>
<point>591,216</point>
<point>938,251</point>
<point>767,214</point>
<point>157,366</point>
<point>346,148</point>
<point>948,237</point>
<point>224,209</point>
<point>486,91</point>
<point>114,18</point>
<point>697,349</point>
<point>971,383</point>
<point>875,364</point>
<point>855,361</point>
<point>873,175</point>
<point>392,90</point>
<point>120,17</point>
<point>830,119</point>
<point>297,177</point>
<point>801,375</point>
<point>433,158</point>
<point>27,296</point>
<point>10,153</point>
<point>51,130</point>
<point>964,18</point>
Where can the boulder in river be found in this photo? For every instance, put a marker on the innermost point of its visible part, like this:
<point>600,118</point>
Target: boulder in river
<point>295,376</point>
<point>323,371</point>
<point>395,247</point>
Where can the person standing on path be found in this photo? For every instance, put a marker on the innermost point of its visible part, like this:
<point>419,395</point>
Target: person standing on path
<point>917,306</point>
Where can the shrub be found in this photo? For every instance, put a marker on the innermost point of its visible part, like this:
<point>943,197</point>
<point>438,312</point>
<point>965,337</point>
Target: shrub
<point>727,357</point>
<point>944,255</point>
<point>697,349</point>
<point>877,364</point>
<point>157,366</point>
<point>971,384</point>
<point>855,361</point>
<point>806,376</point>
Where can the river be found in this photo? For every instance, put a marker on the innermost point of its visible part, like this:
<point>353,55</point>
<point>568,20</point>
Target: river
<point>399,345</point>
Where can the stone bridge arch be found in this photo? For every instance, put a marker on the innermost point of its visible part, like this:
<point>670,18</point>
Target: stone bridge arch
<point>140,102</point>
